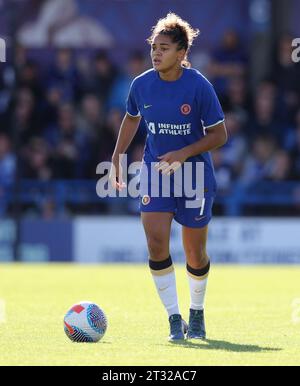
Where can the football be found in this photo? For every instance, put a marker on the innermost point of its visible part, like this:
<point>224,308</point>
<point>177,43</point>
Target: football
<point>85,322</point>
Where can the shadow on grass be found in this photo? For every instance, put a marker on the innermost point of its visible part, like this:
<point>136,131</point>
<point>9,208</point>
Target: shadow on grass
<point>210,344</point>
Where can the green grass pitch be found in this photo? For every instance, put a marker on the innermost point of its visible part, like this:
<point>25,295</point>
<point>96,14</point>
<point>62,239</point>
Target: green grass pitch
<point>249,316</point>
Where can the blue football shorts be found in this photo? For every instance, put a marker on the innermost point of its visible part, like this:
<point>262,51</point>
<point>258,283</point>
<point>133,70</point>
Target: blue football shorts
<point>192,212</point>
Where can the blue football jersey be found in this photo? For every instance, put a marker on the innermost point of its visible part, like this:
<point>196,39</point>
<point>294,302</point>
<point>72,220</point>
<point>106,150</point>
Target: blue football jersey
<point>176,113</point>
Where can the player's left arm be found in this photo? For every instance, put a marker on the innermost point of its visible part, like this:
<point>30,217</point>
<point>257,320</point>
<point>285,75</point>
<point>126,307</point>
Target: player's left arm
<point>216,136</point>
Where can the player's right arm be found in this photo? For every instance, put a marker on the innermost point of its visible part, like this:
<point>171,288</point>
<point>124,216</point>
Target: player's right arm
<point>127,132</point>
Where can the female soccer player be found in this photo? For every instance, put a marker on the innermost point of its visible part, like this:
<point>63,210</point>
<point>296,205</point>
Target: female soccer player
<point>185,122</point>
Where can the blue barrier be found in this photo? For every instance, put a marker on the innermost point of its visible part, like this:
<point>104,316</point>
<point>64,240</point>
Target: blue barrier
<point>40,240</point>
<point>74,192</point>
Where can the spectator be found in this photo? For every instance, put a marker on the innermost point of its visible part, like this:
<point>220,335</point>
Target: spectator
<point>7,171</point>
<point>119,92</point>
<point>259,162</point>
<point>104,147</point>
<point>20,58</point>
<point>228,61</point>
<point>264,121</point>
<point>7,162</point>
<point>70,145</point>
<point>53,100</point>
<point>65,76</point>
<point>91,116</point>
<point>234,151</point>
<point>29,78</point>
<point>104,76</point>
<point>237,99</point>
<point>25,117</point>
<point>223,172</point>
<point>281,168</point>
<point>37,163</point>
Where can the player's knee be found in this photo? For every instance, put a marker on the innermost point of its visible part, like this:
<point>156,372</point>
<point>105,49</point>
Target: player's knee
<point>197,258</point>
<point>157,248</point>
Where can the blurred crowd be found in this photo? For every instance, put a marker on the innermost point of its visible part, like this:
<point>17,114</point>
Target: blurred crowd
<point>263,121</point>
<point>62,118</point>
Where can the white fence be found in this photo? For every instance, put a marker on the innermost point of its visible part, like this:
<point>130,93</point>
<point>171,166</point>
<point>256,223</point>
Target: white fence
<point>231,240</point>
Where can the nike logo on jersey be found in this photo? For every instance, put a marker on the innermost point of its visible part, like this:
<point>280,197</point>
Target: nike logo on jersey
<point>147,106</point>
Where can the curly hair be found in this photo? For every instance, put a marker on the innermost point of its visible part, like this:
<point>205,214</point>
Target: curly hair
<point>179,31</point>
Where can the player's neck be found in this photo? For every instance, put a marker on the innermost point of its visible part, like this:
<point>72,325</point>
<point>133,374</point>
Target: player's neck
<point>171,75</point>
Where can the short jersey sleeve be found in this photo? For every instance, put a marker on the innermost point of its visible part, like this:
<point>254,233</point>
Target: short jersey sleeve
<point>131,103</point>
<point>211,112</point>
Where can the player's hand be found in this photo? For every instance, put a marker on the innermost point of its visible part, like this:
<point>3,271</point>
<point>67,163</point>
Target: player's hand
<point>170,162</point>
<point>115,176</point>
